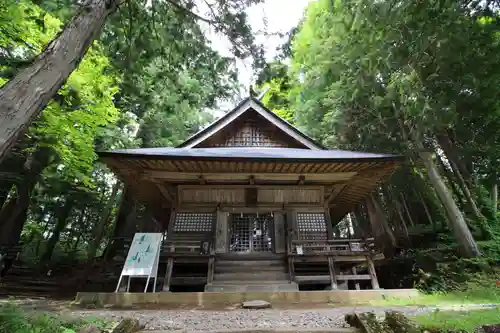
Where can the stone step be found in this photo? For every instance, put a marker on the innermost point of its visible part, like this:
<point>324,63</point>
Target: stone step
<point>250,263</point>
<point>252,287</point>
<point>251,282</point>
<point>243,269</point>
<point>252,276</point>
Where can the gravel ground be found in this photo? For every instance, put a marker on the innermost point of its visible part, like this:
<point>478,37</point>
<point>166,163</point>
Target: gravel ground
<point>203,321</point>
<point>199,320</point>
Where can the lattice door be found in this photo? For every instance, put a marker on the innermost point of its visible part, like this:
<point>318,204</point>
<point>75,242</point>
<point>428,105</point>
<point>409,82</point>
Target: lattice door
<point>312,226</point>
<point>251,233</point>
<point>194,222</point>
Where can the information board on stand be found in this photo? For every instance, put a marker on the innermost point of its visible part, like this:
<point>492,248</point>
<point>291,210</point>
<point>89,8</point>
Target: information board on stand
<point>142,259</point>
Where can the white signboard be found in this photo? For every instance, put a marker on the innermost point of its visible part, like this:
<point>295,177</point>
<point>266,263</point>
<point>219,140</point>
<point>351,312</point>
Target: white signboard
<point>142,259</point>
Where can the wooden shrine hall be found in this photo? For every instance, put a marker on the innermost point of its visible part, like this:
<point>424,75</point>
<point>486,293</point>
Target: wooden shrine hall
<point>249,204</point>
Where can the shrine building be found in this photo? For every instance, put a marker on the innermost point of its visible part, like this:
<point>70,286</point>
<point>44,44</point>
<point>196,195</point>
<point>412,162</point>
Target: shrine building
<point>250,203</point>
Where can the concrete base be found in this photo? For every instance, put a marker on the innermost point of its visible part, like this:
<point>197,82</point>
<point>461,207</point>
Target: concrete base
<point>208,299</point>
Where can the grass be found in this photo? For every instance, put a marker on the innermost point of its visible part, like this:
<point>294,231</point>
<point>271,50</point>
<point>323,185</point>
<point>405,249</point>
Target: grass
<point>459,321</point>
<point>15,320</point>
<point>482,291</point>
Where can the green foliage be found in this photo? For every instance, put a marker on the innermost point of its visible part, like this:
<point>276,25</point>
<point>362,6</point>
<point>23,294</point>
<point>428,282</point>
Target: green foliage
<point>80,110</point>
<point>274,79</point>
<point>458,321</point>
<point>14,320</point>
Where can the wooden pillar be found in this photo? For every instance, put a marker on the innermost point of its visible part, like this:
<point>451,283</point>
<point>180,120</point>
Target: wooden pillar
<point>221,232</point>
<point>355,272</point>
<point>279,233</point>
<point>333,277</point>
<point>211,267</point>
<point>291,233</point>
<point>373,273</point>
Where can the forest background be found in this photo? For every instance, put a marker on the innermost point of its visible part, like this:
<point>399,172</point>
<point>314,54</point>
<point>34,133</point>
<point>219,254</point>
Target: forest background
<point>417,78</point>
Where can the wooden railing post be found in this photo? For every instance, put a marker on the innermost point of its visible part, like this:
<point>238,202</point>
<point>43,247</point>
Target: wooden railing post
<point>333,277</point>
<point>373,273</point>
<point>211,265</point>
<point>170,266</point>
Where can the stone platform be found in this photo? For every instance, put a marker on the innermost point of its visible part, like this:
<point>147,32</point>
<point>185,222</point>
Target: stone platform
<point>217,299</point>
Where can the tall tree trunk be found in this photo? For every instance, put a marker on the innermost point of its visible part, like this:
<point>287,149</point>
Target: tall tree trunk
<point>403,227</point>
<point>14,213</point>
<point>405,206</point>
<point>451,180</point>
<point>451,151</point>
<point>99,229</point>
<point>5,187</point>
<point>379,224</point>
<point>494,193</point>
<point>361,223</point>
<point>466,242</point>
<point>26,94</point>
<point>125,222</point>
<point>62,219</point>
<point>426,209</point>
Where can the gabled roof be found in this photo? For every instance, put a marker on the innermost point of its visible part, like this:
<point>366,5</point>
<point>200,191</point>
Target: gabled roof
<point>249,104</point>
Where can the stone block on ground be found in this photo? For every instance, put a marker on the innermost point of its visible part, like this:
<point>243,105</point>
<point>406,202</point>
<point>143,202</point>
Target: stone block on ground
<point>257,304</point>
<point>89,329</point>
<point>491,328</point>
<point>128,325</point>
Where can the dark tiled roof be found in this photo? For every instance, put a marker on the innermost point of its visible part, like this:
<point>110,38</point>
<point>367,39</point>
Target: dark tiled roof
<point>246,153</point>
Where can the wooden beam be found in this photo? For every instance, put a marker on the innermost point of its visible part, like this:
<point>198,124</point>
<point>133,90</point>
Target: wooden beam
<point>229,177</point>
<point>164,192</point>
<point>334,193</point>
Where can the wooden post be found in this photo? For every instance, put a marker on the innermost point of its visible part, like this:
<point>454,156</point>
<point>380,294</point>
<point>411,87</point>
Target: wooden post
<point>211,265</point>
<point>221,232</point>
<point>333,277</point>
<point>210,273</point>
<point>355,272</point>
<point>168,274</point>
<point>373,273</point>
<point>279,233</point>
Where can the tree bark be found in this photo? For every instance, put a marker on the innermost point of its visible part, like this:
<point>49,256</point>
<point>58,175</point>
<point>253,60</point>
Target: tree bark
<point>62,219</point>
<point>14,213</point>
<point>494,194</point>
<point>451,151</point>
<point>405,206</point>
<point>124,222</point>
<point>99,229</point>
<point>426,209</point>
<point>466,242</point>
<point>451,180</point>
<point>26,94</point>
<point>379,224</point>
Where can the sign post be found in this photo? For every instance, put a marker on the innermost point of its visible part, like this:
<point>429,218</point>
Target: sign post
<point>142,259</point>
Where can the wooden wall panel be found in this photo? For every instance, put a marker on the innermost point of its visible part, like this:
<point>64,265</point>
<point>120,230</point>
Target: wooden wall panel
<point>207,195</point>
<point>291,195</point>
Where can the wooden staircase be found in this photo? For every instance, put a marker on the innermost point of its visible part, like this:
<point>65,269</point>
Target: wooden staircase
<point>251,273</point>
